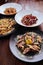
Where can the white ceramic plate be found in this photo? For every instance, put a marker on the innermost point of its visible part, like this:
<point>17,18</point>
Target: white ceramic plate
<point>22,13</point>
<point>17,53</point>
<point>18,7</point>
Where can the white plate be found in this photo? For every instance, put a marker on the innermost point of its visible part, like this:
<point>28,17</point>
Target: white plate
<point>22,13</point>
<point>18,7</point>
<point>17,53</point>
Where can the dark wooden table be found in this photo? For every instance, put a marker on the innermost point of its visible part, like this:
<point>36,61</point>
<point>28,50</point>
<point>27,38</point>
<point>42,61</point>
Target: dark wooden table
<point>6,57</point>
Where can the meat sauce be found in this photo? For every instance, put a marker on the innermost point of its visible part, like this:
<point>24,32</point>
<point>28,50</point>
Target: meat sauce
<point>29,19</point>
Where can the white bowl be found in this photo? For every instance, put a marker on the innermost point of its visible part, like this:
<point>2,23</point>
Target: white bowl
<point>18,7</point>
<point>21,14</point>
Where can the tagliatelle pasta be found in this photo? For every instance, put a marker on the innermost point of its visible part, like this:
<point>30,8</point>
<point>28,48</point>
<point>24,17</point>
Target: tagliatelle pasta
<point>29,43</point>
<point>6,25</point>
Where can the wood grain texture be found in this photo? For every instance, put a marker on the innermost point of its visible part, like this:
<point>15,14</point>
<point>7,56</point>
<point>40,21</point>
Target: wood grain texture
<point>6,57</point>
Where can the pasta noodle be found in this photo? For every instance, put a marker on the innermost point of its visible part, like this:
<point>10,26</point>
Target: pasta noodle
<point>6,25</point>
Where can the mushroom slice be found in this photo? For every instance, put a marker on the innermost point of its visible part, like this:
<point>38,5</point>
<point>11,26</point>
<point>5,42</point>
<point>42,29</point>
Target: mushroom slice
<point>26,50</point>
